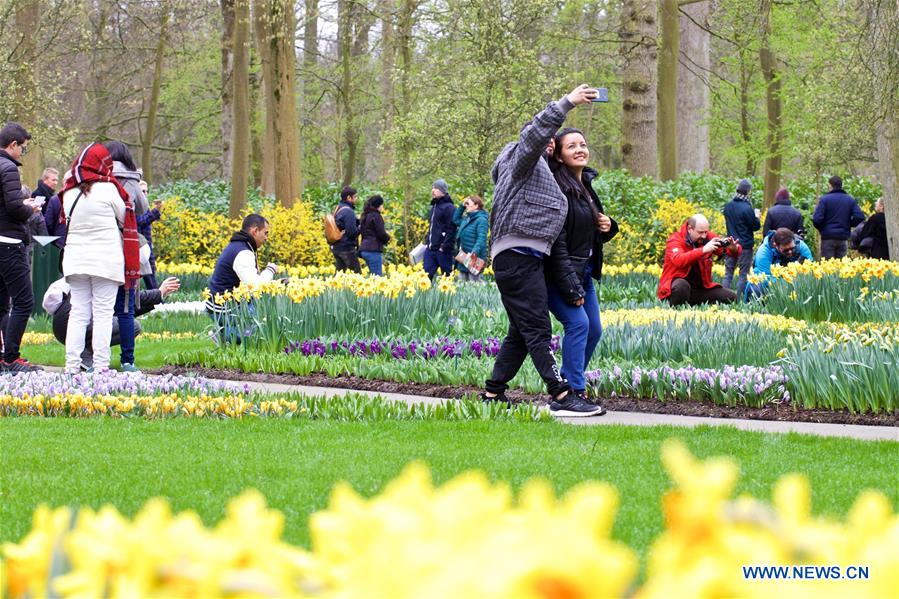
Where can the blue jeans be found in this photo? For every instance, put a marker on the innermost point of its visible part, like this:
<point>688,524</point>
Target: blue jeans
<point>434,260</point>
<point>125,316</point>
<point>375,261</point>
<point>583,330</point>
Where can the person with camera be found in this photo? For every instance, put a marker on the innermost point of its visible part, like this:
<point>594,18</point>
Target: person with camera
<point>779,248</point>
<point>742,223</point>
<point>687,270</point>
<point>529,211</point>
<point>576,258</point>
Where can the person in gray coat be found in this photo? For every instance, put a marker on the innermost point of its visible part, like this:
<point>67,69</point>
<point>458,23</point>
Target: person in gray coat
<point>529,210</point>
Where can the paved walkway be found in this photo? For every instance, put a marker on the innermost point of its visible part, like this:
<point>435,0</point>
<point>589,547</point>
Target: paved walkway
<point>854,431</point>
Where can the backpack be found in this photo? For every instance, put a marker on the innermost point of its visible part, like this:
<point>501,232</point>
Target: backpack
<point>332,232</point>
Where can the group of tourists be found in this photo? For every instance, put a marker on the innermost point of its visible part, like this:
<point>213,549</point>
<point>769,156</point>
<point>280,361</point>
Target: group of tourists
<point>456,239</point>
<point>687,270</point>
<point>102,222</point>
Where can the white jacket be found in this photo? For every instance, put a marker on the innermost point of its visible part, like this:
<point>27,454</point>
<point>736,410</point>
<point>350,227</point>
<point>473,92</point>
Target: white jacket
<point>94,241</point>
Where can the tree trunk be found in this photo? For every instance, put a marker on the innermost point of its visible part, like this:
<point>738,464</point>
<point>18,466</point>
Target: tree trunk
<point>240,133</point>
<point>266,73</point>
<point>27,21</point>
<point>227,8</point>
<point>404,38</point>
<point>278,23</point>
<point>638,123</point>
<point>346,122</point>
<point>311,147</point>
<point>693,96</point>
<point>388,63</point>
<point>150,132</point>
<point>888,161</point>
<point>774,105</point>
<point>260,152</point>
<point>745,134</point>
<point>667,89</point>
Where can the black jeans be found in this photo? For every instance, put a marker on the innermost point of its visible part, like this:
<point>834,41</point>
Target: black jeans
<point>683,293</point>
<point>15,285</point>
<point>347,260</point>
<point>522,288</point>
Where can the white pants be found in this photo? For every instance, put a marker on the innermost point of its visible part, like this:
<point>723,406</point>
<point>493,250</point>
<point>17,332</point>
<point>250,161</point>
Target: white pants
<point>92,298</point>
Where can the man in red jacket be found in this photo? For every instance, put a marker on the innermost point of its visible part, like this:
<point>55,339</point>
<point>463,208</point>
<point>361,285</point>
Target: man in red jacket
<point>687,272</point>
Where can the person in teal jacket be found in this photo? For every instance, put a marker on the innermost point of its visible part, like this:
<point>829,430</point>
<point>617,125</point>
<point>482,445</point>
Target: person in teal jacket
<point>471,233</point>
<point>779,247</point>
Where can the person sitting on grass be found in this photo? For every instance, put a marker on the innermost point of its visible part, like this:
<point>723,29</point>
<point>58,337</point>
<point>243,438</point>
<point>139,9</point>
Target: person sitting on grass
<point>780,247</point>
<point>235,265</point>
<point>57,302</point>
<point>687,271</point>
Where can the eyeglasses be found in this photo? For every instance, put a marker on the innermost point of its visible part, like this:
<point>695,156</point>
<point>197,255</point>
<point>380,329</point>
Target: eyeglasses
<point>24,149</point>
<point>787,250</point>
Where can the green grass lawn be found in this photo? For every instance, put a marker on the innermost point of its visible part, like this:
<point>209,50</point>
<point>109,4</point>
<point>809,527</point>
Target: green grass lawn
<point>201,464</point>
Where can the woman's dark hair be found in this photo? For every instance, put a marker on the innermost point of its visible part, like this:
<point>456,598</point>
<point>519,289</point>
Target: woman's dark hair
<point>478,201</point>
<point>568,183</point>
<point>373,203</point>
<point>120,153</point>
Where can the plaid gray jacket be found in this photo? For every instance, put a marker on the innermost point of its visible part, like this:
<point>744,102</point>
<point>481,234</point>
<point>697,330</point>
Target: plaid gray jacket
<point>529,209</point>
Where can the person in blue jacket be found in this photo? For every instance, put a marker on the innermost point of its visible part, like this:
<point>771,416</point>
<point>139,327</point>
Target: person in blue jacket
<point>780,247</point>
<point>346,249</point>
<point>471,233</point>
<point>835,216</point>
<point>742,223</point>
<point>441,237</point>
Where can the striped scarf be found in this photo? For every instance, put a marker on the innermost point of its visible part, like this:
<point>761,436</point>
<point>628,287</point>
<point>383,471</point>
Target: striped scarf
<point>94,165</point>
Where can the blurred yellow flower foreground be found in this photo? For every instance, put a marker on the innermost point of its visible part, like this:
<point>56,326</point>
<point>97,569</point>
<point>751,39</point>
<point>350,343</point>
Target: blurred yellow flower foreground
<point>467,538</point>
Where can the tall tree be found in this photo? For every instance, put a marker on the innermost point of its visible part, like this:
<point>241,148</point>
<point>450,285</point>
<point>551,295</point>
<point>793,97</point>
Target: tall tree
<point>27,19</point>
<point>150,131</point>
<point>267,154</point>
<point>667,89</point>
<point>310,135</point>
<point>278,23</point>
<point>387,9</point>
<point>639,56</point>
<point>773,103</point>
<point>227,10</point>
<point>240,132</point>
<point>693,95</point>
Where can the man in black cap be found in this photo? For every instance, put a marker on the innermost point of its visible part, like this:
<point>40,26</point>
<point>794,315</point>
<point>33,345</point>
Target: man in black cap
<point>742,223</point>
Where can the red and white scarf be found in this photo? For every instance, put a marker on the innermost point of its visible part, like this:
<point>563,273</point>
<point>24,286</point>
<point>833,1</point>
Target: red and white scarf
<point>94,165</point>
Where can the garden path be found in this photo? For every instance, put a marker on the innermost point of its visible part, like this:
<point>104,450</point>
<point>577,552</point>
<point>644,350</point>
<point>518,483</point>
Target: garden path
<point>854,431</point>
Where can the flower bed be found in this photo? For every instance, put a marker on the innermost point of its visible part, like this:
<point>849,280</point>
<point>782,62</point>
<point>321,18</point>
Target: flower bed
<point>467,538</point>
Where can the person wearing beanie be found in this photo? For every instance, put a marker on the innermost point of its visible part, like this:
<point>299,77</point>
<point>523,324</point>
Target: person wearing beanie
<point>374,235</point>
<point>835,215</point>
<point>742,223</point>
<point>441,237</point>
<point>783,215</point>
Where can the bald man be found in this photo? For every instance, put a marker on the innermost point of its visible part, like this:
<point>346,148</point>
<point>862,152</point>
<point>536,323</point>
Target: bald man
<point>687,272</point>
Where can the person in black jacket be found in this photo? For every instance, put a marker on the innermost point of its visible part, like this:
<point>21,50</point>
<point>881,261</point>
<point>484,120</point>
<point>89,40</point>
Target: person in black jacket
<point>441,237</point>
<point>15,271</point>
<point>782,215</point>
<point>346,250</point>
<point>835,215</point>
<point>576,258</point>
<point>58,303</point>
<point>742,223</point>
<point>876,228</point>
<point>374,235</point>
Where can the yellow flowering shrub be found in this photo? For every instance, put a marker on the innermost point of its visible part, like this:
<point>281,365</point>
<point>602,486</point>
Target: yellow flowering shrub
<point>187,235</point>
<point>466,538</point>
<point>647,246</point>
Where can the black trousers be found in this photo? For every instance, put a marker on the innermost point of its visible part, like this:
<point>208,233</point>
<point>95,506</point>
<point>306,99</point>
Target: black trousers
<point>348,260</point>
<point>682,293</point>
<point>16,297</point>
<point>522,288</point>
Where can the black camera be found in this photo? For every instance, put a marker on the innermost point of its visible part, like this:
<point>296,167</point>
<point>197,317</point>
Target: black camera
<point>724,242</point>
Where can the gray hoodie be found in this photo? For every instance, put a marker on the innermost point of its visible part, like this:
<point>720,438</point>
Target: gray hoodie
<point>529,209</point>
<point>130,180</point>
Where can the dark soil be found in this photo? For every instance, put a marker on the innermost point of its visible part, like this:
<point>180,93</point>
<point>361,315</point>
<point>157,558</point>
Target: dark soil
<point>781,412</point>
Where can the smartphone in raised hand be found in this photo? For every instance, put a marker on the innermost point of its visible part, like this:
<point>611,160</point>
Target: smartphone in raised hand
<point>602,95</point>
